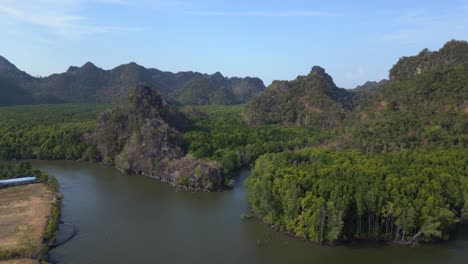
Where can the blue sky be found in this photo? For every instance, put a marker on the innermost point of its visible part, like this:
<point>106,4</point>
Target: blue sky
<point>354,41</point>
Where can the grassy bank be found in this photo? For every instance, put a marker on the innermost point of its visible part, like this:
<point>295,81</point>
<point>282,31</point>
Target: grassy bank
<point>29,217</point>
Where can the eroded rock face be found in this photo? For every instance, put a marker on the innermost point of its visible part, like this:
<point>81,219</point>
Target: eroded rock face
<point>142,136</point>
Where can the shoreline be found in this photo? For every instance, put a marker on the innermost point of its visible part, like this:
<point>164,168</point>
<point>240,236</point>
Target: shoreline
<point>252,215</point>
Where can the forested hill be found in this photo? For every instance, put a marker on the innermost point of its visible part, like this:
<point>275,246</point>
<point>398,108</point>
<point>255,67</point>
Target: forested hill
<point>90,83</point>
<point>423,108</point>
<point>424,103</point>
<point>311,100</point>
<point>453,53</point>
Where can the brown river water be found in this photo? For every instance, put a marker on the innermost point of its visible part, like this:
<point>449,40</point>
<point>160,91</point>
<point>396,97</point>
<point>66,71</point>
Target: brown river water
<point>135,219</point>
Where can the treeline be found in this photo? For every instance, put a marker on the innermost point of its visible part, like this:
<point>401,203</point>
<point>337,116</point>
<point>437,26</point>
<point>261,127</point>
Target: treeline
<point>48,131</point>
<point>325,195</point>
<point>47,142</point>
<point>27,116</point>
<point>219,133</point>
<point>24,169</point>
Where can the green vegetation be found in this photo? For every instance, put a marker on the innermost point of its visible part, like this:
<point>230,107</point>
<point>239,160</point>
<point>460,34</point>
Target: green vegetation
<point>53,224</point>
<point>218,133</point>
<point>205,91</point>
<point>312,100</point>
<point>325,196</point>
<point>453,53</point>
<point>412,184</point>
<point>427,110</point>
<point>47,131</point>
<point>397,170</point>
<point>23,169</point>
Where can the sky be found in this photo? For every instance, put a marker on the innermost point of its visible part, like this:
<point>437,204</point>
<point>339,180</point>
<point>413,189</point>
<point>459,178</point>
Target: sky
<point>355,41</point>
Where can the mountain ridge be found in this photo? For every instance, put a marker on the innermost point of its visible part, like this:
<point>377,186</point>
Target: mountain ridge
<point>90,83</point>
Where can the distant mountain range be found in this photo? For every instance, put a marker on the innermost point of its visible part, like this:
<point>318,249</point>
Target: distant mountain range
<point>92,84</point>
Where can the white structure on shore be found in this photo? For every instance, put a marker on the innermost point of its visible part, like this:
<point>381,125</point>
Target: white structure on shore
<point>17,181</point>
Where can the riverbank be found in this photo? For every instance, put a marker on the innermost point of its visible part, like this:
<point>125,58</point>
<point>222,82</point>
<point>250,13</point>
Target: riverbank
<point>29,216</point>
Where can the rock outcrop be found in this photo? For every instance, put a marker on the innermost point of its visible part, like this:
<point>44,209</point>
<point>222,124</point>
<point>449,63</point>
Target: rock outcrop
<point>143,136</point>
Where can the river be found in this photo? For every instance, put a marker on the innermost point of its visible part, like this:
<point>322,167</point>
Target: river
<point>134,219</point>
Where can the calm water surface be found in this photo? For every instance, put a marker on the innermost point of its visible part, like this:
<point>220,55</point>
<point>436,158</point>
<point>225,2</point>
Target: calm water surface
<point>135,219</point>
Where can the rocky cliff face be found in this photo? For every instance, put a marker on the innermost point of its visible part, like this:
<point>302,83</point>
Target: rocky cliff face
<point>90,83</point>
<point>142,135</point>
<point>312,100</point>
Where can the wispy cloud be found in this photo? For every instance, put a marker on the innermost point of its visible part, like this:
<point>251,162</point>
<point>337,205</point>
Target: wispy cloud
<point>419,25</point>
<point>58,17</point>
<point>356,75</point>
<point>263,14</point>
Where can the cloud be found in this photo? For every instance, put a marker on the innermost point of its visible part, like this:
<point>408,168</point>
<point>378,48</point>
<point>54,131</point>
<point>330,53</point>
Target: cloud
<point>357,75</point>
<point>420,25</point>
<point>59,17</point>
<point>263,14</point>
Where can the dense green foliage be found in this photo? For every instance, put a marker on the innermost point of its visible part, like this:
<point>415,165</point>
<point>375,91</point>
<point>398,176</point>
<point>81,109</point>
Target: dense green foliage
<point>331,195</point>
<point>412,184</point>
<point>47,131</point>
<point>18,170</point>
<point>453,53</point>
<point>219,134</point>
<point>427,110</point>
